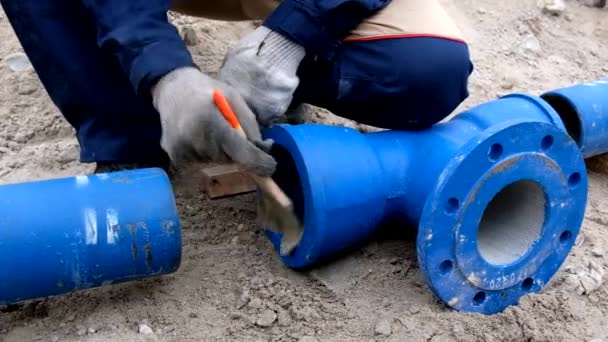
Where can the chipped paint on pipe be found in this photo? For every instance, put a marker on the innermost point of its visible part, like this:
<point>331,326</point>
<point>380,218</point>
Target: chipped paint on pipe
<point>69,234</point>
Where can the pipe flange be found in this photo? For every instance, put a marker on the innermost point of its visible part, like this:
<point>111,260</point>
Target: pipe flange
<point>503,217</point>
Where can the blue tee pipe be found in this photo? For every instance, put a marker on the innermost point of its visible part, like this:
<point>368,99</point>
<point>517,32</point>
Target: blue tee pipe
<point>63,235</point>
<point>498,195</point>
<point>584,110</point>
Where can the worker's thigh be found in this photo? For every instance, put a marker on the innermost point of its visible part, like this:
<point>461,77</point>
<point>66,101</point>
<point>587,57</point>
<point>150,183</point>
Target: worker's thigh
<point>86,83</point>
<point>405,83</point>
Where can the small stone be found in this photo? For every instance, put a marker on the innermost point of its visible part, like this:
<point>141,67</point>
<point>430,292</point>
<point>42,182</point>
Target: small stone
<point>17,62</point>
<point>189,36</point>
<point>193,315</point>
<point>308,339</point>
<point>235,315</point>
<point>449,338</point>
<point>81,330</point>
<point>531,43</point>
<point>507,84</point>
<point>458,329</point>
<point>597,252</point>
<point>383,328</point>
<point>595,3</point>
<point>553,7</point>
<point>240,227</point>
<point>394,261</point>
<point>91,331</point>
<point>371,249</point>
<point>145,330</point>
<point>266,318</point>
<point>256,303</point>
<point>284,318</point>
<point>414,310</point>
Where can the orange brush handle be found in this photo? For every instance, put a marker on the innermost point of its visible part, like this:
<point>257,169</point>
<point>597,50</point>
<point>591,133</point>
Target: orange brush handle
<point>224,107</point>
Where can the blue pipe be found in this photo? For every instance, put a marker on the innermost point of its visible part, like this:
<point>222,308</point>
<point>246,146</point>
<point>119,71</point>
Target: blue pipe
<point>584,110</point>
<point>63,235</point>
<point>498,195</point>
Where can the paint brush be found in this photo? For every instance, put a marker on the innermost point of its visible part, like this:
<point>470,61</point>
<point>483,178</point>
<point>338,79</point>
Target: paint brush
<point>275,208</point>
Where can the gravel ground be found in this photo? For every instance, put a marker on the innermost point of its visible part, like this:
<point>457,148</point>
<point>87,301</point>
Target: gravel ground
<point>232,286</point>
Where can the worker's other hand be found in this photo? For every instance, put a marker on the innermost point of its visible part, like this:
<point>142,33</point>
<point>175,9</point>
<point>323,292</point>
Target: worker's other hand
<point>263,69</point>
<point>194,129</point>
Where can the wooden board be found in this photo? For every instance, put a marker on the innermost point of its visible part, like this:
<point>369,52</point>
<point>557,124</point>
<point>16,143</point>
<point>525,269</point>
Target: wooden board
<point>226,180</point>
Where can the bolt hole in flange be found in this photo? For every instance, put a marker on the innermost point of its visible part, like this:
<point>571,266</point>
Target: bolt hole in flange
<point>511,223</point>
<point>495,152</point>
<point>574,179</point>
<point>527,284</point>
<point>546,143</point>
<point>452,205</point>
<point>446,267</point>
<point>479,298</point>
<point>565,237</point>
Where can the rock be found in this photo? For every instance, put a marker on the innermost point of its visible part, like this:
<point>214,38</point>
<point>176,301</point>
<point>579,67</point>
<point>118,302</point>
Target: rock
<point>145,330</point>
<point>66,156</point>
<point>91,331</point>
<point>507,84</point>
<point>588,278</point>
<point>531,43</point>
<point>371,249</point>
<point>81,331</point>
<point>240,227</point>
<point>189,36</point>
<point>284,318</point>
<point>17,62</point>
<point>308,339</point>
<point>594,3</point>
<point>383,328</point>
<point>553,7</point>
<point>597,252</point>
<point>256,303</point>
<point>266,318</point>
<point>448,338</point>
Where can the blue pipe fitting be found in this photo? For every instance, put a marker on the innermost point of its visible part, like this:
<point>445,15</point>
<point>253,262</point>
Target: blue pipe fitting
<point>584,110</point>
<point>64,235</point>
<point>498,195</point>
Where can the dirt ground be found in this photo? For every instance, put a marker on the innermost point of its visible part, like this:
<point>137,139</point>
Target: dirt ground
<point>232,286</point>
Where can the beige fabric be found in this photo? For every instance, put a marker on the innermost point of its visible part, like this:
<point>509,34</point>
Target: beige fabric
<point>400,17</point>
<point>405,17</point>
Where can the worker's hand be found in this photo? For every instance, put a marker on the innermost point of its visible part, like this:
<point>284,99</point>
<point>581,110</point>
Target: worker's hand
<point>194,129</point>
<point>263,69</point>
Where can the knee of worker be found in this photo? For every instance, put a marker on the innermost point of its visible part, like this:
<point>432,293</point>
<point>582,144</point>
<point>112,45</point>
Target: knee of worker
<point>409,83</point>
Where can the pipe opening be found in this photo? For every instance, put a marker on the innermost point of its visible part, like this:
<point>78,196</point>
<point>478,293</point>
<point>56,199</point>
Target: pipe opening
<point>287,178</point>
<point>568,114</point>
<point>511,223</point>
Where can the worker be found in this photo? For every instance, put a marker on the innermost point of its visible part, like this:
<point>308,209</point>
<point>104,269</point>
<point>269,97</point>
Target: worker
<point>122,77</point>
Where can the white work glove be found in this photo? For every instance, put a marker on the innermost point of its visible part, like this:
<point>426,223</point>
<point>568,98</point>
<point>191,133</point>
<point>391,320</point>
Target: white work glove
<point>194,129</point>
<point>263,69</point>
